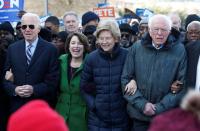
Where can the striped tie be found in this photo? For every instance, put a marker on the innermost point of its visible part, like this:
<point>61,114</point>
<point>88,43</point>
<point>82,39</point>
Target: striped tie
<point>28,53</point>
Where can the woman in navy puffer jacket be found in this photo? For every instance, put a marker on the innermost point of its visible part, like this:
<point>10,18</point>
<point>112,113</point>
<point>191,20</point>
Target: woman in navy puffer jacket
<point>100,81</point>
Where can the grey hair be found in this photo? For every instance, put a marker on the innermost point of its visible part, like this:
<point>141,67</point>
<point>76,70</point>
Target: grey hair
<point>158,17</point>
<point>193,23</point>
<point>31,15</point>
<point>70,13</point>
<point>110,25</point>
<point>175,15</point>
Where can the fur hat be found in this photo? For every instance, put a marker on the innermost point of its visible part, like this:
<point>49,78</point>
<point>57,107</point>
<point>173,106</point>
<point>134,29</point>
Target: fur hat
<point>89,16</point>
<point>36,116</point>
<point>186,118</point>
<point>6,26</point>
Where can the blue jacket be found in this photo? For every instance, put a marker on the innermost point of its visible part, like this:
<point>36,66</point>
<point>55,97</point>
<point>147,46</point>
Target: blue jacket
<point>105,99</point>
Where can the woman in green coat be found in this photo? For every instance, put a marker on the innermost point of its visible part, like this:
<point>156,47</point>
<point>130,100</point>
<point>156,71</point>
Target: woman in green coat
<point>70,103</point>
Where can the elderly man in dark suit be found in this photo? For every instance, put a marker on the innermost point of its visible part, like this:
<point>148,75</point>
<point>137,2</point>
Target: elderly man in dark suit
<point>34,66</point>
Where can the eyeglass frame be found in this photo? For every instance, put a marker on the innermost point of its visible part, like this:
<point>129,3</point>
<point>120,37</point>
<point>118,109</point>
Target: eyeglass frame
<point>126,35</point>
<point>156,30</point>
<point>31,26</point>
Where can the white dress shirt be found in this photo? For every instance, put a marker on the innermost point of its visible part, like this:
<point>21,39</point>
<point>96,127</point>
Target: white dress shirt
<point>34,44</point>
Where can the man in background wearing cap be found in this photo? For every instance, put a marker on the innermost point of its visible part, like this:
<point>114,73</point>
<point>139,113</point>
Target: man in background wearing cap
<point>6,38</point>
<point>89,18</point>
<point>34,66</point>
<point>126,35</point>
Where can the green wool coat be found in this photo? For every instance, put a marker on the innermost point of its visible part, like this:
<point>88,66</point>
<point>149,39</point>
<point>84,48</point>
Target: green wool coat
<point>70,103</point>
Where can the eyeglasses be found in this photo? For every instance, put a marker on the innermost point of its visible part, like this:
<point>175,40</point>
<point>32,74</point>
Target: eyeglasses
<point>105,38</point>
<point>29,26</point>
<point>156,30</point>
<point>123,35</point>
<point>193,32</point>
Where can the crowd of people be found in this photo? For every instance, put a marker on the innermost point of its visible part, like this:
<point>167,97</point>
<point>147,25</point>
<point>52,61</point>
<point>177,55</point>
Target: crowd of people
<point>101,77</point>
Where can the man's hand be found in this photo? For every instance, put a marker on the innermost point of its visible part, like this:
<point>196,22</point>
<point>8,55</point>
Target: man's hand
<point>130,88</point>
<point>9,76</point>
<point>24,91</point>
<point>28,90</point>
<point>149,109</point>
<point>176,86</point>
<point>19,91</point>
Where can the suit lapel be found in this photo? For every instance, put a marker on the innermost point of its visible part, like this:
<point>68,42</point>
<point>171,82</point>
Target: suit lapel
<point>38,52</point>
<point>22,53</point>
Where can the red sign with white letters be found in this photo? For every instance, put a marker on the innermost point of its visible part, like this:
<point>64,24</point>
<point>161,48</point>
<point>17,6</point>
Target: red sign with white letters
<point>105,11</point>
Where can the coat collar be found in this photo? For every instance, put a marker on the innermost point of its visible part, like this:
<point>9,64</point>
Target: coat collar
<point>172,39</point>
<point>113,54</point>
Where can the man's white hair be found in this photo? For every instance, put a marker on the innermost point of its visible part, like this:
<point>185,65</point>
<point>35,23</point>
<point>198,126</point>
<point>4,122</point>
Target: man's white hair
<point>37,18</point>
<point>70,13</point>
<point>193,23</point>
<point>157,17</point>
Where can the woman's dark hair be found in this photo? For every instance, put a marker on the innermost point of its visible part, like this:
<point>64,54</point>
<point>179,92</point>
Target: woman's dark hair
<point>82,38</point>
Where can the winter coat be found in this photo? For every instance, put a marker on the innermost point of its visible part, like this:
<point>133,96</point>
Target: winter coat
<point>154,72</point>
<point>70,103</point>
<point>101,88</point>
<point>193,53</point>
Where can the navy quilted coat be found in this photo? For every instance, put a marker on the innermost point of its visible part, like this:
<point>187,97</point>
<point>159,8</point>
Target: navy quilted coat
<point>100,87</point>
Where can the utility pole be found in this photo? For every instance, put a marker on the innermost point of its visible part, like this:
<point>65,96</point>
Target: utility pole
<point>46,7</point>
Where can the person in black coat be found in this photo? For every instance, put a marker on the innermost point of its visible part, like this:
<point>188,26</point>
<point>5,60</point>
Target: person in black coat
<point>6,39</point>
<point>193,53</point>
<point>33,62</point>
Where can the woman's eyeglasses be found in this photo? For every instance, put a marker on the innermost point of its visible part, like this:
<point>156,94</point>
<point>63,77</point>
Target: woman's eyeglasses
<point>29,26</point>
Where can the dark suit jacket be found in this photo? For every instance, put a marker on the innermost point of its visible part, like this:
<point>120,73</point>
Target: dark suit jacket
<point>193,52</point>
<point>42,73</point>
